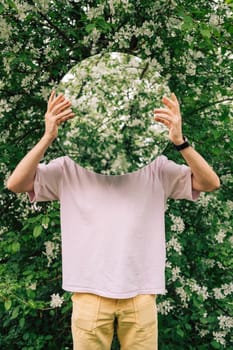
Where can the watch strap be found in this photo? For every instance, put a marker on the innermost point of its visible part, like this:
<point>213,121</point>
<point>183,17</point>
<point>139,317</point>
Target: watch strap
<point>183,145</point>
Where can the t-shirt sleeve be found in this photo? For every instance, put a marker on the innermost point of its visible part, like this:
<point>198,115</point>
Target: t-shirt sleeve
<point>176,180</point>
<point>47,182</point>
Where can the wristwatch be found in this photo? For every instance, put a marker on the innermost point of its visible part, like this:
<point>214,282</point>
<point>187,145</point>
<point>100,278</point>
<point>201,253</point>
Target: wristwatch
<point>183,145</point>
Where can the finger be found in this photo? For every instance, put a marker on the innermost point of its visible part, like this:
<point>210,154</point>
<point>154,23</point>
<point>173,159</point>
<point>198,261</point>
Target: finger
<point>163,121</point>
<point>60,107</point>
<point>168,102</point>
<point>163,116</point>
<point>63,119</point>
<point>163,110</point>
<point>51,96</point>
<point>64,114</point>
<point>55,101</point>
<point>174,98</point>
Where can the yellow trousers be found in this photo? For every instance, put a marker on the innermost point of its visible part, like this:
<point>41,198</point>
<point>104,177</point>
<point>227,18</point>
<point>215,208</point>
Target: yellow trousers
<point>93,322</point>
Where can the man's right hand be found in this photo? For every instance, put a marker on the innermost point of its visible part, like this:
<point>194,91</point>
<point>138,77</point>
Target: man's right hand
<point>58,111</point>
<point>22,178</point>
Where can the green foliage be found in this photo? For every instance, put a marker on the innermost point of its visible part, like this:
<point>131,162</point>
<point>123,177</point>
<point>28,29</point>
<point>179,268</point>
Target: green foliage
<point>191,40</point>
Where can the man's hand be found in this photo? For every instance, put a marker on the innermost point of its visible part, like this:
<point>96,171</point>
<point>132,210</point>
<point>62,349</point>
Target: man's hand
<point>171,117</point>
<point>58,111</point>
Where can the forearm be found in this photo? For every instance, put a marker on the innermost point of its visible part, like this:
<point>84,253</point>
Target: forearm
<point>204,177</point>
<point>22,178</point>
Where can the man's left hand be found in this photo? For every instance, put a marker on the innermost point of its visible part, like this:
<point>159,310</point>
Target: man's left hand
<point>171,117</point>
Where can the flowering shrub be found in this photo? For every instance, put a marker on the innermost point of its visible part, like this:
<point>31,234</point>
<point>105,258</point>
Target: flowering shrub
<point>40,41</point>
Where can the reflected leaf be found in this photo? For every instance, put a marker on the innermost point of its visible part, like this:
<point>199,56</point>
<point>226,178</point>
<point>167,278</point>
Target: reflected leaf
<point>113,96</point>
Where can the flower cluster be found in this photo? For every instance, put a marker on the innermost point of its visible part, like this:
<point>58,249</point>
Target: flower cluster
<point>178,224</point>
<point>165,307</point>
<point>223,291</point>
<point>51,251</point>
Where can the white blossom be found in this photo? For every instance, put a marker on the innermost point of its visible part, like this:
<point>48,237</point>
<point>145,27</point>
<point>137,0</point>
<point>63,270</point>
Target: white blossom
<point>51,251</point>
<point>225,322</point>
<point>56,300</point>
<point>231,239</point>
<point>165,307</point>
<point>183,296</point>
<point>5,29</point>
<point>4,107</point>
<point>174,244</point>
<point>209,262</point>
<point>204,199</point>
<point>200,290</point>
<point>220,236</point>
<point>175,273</point>
<point>230,205</point>
<point>203,332</point>
<point>218,294</point>
<point>178,224</point>
<point>219,337</point>
<point>32,286</point>
<point>223,291</point>
<point>214,19</point>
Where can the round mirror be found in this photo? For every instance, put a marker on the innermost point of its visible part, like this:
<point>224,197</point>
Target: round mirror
<point>113,96</point>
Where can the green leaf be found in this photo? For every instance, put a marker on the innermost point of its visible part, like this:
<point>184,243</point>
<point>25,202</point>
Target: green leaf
<point>196,302</point>
<point>188,23</point>
<point>12,4</point>
<point>187,326</point>
<point>216,345</point>
<point>203,320</point>
<point>45,221</point>
<point>1,8</point>
<point>90,27</point>
<point>7,305</point>
<point>22,322</point>
<point>37,231</point>
<point>205,33</point>
<point>15,247</point>
<point>180,332</point>
<point>15,313</point>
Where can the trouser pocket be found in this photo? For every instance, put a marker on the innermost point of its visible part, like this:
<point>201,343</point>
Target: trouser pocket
<point>146,311</point>
<point>85,311</point>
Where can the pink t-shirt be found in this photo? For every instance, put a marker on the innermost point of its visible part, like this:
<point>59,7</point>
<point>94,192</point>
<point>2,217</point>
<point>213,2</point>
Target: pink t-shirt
<point>112,226</point>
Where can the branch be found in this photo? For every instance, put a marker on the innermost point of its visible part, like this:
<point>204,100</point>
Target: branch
<point>58,30</point>
<point>211,104</point>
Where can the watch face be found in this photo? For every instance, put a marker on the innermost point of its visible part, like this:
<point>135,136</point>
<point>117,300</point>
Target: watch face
<point>113,96</point>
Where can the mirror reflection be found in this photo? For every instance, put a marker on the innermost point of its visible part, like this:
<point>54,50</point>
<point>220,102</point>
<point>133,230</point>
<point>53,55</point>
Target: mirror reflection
<point>113,96</point>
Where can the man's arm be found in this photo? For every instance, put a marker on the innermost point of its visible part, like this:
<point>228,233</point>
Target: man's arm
<point>22,178</point>
<point>203,176</point>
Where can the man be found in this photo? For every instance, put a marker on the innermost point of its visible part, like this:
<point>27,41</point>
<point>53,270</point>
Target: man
<point>113,239</point>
